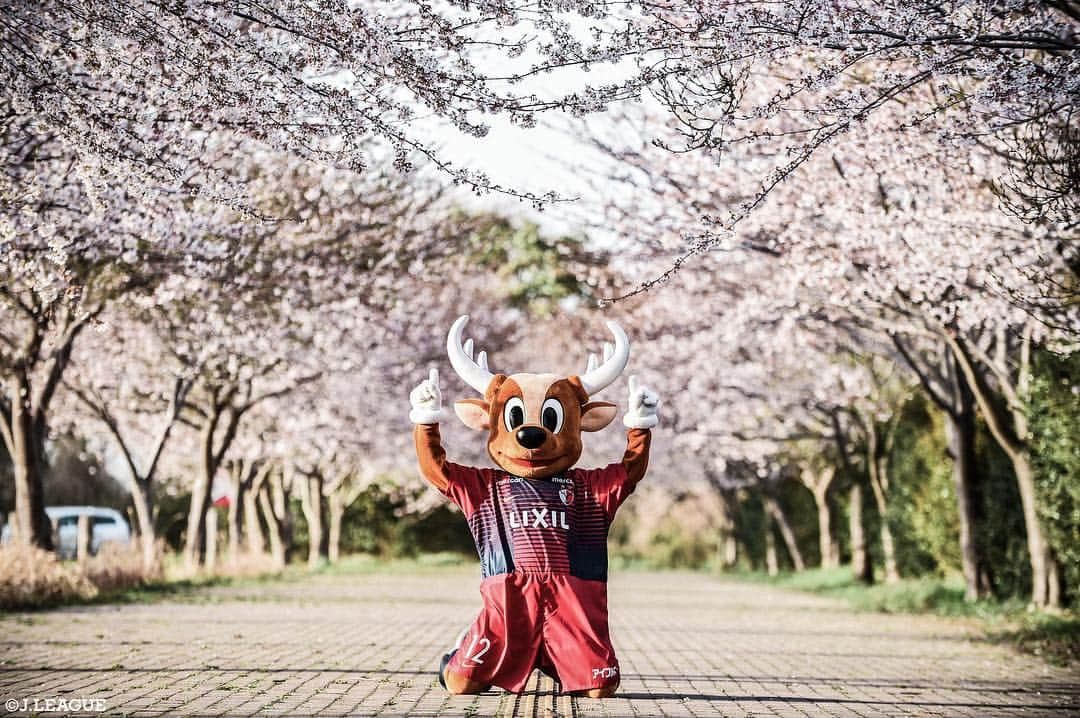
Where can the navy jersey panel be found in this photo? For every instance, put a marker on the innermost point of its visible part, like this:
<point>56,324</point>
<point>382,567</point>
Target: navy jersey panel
<point>556,526</point>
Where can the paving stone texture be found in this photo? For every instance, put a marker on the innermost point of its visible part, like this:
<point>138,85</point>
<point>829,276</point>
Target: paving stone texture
<point>367,645</point>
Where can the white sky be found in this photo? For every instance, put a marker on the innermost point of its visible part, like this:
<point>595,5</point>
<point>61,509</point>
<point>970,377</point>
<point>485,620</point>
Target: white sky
<point>540,159</point>
<point>535,160</point>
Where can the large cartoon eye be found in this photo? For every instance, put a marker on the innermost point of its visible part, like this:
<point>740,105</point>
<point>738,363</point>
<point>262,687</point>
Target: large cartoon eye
<point>551,415</point>
<point>514,413</point>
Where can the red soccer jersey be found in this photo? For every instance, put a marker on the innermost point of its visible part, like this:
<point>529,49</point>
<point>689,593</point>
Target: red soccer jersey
<point>554,526</point>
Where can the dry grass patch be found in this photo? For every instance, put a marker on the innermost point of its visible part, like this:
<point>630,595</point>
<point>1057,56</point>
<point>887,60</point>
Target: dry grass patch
<point>33,578</point>
<point>247,565</point>
<point>117,567</point>
<point>30,577</point>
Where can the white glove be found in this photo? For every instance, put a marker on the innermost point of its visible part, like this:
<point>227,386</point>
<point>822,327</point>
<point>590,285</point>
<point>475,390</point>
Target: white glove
<point>643,405</point>
<point>426,400</point>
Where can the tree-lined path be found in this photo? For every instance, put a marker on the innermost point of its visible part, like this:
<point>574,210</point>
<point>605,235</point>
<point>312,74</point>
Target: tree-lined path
<point>690,645</point>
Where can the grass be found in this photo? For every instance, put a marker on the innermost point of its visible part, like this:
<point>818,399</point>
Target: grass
<point>1053,636</point>
<point>364,564</point>
<point>149,591</point>
<point>172,584</point>
<point>359,564</point>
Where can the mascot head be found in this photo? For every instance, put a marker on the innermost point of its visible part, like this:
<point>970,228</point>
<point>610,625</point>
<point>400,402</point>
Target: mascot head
<point>534,421</point>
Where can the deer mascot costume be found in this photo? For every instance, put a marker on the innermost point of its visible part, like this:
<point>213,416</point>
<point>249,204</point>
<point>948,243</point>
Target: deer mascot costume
<point>540,525</point>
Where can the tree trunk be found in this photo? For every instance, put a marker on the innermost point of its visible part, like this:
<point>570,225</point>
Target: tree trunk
<point>879,484</point>
<point>730,548</point>
<point>772,507</point>
<point>311,500</point>
<point>274,508</point>
<point>277,545</point>
<point>771,563</point>
<point>235,514</point>
<point>337,512</point>
<point>324,543</point>
<point>195,539</point>
<point>888,550</point>
<point>819,483</point>
<point>960,434</point>
<point>142,501</point>
<point>727,548</point>
<point>860,560</point>
<point>1054,581</point>
<point>825,543</point>
<point>28,463</point>
<point>1039,551</point>
<point>233,519</point>
<point>253,534</point>
<point>211,539</point>
<point>1009,429</point>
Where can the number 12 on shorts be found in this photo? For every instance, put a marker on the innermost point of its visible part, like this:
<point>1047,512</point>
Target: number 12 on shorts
<point>478,648</point>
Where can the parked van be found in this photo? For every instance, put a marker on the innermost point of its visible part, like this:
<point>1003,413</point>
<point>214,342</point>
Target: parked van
<point>106,525</point>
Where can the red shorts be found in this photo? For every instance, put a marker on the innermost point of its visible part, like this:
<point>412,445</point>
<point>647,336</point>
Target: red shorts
<point>558,622</point>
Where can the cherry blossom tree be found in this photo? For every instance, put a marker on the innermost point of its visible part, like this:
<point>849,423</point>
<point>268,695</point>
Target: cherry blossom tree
<point>875,414</point>
<point>121,378</point>
<point>935,366</point>
<point>335,82</point>
<point>1000,377</point>
<point>782,83</point>
<point>753,396</point>
<point>902,246</point>
<point>71,244</point>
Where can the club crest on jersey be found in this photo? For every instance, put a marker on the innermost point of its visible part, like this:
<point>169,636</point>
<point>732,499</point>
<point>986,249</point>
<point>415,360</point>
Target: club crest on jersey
<point>567,496</point>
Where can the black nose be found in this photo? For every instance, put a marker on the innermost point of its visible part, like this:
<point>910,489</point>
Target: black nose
<point>531,436</point>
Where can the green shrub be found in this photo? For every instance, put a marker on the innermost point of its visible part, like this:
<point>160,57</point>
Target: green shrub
<point>672,548</point>
<point>1054,413</point>
<point>922,497</point>
<point>1002,537</point>
<point>379,523</point>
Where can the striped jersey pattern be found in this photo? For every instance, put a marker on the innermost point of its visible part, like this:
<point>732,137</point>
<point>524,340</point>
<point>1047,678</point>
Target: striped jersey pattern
<point>552,526</point>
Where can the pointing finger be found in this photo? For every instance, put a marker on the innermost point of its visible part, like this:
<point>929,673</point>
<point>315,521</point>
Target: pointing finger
<point>633,384</point>
<point>433,376</point>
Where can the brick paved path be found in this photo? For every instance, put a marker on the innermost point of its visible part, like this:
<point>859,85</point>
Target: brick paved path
<point>367,644</point>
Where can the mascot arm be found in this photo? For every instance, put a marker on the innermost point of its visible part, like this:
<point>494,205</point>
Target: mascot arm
<point>636,458</point>
<point>432,457</point>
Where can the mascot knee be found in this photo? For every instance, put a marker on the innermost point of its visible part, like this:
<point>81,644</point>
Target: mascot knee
<point>461,686</point>
<point>605,692</point>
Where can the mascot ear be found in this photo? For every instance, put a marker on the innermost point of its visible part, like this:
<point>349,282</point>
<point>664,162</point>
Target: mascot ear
<point>596,415</point>
<point>474,413</point>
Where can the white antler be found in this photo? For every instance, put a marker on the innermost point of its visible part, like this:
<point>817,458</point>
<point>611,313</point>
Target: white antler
<point>615,358</point>
<point>474,373</point>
